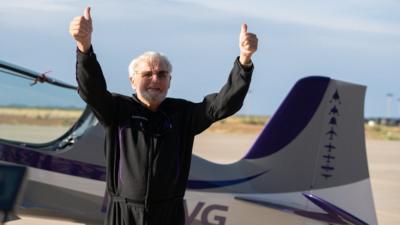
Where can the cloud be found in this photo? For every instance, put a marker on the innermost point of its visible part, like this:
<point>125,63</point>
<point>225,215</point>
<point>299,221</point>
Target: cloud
<point>38,5</point>
<point>352,15</point>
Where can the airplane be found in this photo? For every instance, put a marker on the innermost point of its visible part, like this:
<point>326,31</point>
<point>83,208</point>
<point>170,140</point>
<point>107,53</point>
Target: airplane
<point>334,111</point>
<point>328,157</point>
<point>332,121</point>
<point>329,147</point>
<point>282,179</point>
<point>332,133</point>
<point>336,98</point>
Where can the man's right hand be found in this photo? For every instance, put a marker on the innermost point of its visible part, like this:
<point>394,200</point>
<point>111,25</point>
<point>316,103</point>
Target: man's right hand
<point>81,30</point>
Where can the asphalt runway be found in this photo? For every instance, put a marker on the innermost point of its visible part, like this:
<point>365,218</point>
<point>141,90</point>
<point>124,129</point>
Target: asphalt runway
<point>383,157</point>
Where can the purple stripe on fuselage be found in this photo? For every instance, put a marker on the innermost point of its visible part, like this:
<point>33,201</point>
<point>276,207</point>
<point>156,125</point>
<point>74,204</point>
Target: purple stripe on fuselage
<point>204,184</point>
<point>31,158</point>
<point>312,215</point>
<point>334,215</point>
<point>35,159</point>
<point>291,118</point>
<point>334,211</point>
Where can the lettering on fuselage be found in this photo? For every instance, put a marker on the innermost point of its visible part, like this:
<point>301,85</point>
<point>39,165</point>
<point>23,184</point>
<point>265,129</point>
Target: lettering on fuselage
<point>204,212</point>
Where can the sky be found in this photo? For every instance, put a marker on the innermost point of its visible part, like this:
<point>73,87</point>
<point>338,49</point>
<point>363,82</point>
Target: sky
<point>356,41</point>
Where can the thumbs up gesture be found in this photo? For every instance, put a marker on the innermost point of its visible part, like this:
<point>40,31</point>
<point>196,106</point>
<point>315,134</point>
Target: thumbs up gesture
<point>81,30</point>
<point>248,44</point>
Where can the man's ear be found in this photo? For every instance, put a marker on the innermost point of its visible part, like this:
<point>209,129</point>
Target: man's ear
<point>132,80</point>
<point>169,83</point>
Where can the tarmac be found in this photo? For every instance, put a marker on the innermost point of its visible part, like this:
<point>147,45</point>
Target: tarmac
<point>383,158</point>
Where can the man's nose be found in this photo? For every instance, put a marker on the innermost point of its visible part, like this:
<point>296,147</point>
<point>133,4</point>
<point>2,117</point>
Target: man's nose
<point>155,77</point>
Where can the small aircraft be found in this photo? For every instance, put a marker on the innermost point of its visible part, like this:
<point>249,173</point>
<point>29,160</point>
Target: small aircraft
<point>295,172</point>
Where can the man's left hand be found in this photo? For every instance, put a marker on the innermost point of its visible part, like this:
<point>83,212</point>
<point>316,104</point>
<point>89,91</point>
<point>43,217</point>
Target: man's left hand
<point>248,44</point>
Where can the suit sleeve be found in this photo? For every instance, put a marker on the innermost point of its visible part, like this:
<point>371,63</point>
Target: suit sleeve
<point>92,87</point>
<point>226,102</point>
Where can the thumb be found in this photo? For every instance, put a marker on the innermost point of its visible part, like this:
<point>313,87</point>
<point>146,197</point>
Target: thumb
<point>244,29</point>
<point>86,14</point>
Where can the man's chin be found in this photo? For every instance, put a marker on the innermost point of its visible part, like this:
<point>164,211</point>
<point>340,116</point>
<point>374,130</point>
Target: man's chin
<point>153,92</point>
<point>154,97</point>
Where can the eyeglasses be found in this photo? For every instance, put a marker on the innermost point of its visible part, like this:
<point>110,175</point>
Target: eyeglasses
<point>161,75</point>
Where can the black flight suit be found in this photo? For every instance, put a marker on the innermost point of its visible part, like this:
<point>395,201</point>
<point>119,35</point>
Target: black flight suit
<point>148,154</point>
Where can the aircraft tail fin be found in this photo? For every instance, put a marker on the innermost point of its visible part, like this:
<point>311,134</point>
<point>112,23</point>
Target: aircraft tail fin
<point>313,144</point>
<point>320,128</point>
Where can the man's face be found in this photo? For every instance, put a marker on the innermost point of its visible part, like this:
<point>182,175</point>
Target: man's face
<point>151,82</point>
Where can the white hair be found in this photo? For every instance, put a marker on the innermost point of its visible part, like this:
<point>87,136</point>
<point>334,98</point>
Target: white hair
<point>148,56</point>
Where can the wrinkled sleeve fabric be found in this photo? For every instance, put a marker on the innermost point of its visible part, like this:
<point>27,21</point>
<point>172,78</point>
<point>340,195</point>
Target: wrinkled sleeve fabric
<point>226,102</point>
<point>92,87</point>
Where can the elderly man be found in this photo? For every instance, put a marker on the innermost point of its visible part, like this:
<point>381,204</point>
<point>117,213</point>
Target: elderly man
<point>149,137</point>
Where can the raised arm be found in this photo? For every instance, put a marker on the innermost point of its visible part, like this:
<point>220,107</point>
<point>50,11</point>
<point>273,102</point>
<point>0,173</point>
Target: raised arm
<point>91,83</point>
<point>230,98</point>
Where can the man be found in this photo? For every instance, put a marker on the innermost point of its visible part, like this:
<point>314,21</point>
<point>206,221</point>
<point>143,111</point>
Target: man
<point>149,137</point>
